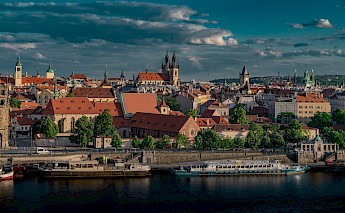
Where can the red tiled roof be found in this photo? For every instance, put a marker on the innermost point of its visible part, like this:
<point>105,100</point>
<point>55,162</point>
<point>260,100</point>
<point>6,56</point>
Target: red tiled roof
<point>29,105</point>
<point>310,97</point>
<point>208,113</point>
<point>9,80</point>
<point>214,104</point>
<point>231,127</point>
<point>93,92</point>
<point>166,123</point>
<point>114,108</point>
<point>152,76</point>
<point>205,122</point>
<point>139,102</point>
<point>78,76</point>
<point>252,118</point>
<point>70,105</point>
<point>21,112</point>
<point>177,113</point>
<point>36,80</point>
<point>220,120</point>
<point>24,121</point>
<point>119,122</point>
<point>50,87</point>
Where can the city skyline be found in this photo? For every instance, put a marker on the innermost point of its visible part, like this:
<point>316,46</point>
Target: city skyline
<point>212,40</point>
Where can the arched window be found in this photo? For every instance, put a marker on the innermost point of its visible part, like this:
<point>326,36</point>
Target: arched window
<point>192,132</point>
<point>61,124</point>
<point>72,124</point>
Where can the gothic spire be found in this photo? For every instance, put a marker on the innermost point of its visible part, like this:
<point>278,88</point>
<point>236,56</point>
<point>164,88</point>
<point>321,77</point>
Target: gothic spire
<point>122,76</point>
<point>105,74</point>
<point>56,91</point>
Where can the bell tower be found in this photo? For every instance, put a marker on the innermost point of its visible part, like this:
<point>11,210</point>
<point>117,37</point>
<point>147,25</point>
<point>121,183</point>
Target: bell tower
<point>244,77</point>
<point>175,71</point>
<point>18,73</point>
<point>4,118</point>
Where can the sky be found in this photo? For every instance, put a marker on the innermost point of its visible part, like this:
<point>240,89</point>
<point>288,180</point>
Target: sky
<point>213,39</point>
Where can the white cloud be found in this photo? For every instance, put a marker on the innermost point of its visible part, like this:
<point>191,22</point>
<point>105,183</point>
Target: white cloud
<point>321,23</point>
<point>23,46</point>
<point>39,56</point>
<point>317,23</point>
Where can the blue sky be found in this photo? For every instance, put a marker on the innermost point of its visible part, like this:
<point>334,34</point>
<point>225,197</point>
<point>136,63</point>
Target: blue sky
<point>212,39</point>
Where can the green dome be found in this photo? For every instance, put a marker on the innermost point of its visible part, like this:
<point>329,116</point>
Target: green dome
<point>317,138</point>
<point>50,68</point>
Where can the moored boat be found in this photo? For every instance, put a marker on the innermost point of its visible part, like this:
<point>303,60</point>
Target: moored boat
<point>240,167</point>
<point>6,173</point>
<point>92,169</point>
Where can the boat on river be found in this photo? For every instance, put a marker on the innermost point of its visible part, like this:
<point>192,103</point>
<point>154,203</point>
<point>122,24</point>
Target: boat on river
<point>240,167</point>
<point>93,169</point>
<point>6,173</point>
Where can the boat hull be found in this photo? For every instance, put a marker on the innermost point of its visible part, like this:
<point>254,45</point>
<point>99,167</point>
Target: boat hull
<point>6,176</point>
<point>93,174</point>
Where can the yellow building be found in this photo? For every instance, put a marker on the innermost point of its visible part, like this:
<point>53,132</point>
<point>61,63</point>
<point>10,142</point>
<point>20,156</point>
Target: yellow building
<point>310,103</point>
<point>4,115</point>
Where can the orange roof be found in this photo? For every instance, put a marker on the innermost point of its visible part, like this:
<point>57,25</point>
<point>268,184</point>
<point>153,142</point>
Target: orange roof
<point>139,102</point>
<point>153,76</point>
<point>24,121</point>
<point>50,87</point>
<point>28,105</point>
<point>205,122</point>
<point>166,123</point>
<point>36,80</point>
<point>114,108</point>
<point>177,113</point>
<point>78,76</point>
<point>310,97</point>
<point>93,92</point>
<point>6,79</point>
<point>70,105</point>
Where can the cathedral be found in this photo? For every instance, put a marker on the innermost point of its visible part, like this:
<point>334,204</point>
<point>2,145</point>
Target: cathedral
<point>168,76</point>
<point>244,78</point>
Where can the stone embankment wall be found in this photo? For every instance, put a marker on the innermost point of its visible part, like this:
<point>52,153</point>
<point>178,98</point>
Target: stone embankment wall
<point>179,157</point>
<point>150,157</point>
<point>42,158</point>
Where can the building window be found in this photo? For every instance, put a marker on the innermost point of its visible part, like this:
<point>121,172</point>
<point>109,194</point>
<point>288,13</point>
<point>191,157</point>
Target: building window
<point>72,124</point>
<point>192,132</point>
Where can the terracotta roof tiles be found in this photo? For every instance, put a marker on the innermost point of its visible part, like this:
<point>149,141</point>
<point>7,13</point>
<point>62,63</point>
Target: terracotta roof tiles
<point>139,102</point>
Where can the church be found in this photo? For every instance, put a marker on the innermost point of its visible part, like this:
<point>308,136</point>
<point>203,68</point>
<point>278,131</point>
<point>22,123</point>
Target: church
<point>168,76</point>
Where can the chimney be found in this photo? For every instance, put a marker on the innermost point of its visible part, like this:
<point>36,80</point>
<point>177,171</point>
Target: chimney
<point>207,122</point>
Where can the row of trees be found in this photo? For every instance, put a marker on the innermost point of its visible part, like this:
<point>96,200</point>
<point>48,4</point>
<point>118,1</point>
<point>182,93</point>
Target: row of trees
<point>85,129</point>
<point>150,142</point>
<point>325,122</point>
<point>266,136</point>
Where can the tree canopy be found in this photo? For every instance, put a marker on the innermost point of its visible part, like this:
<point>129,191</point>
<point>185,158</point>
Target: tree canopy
<point>294,133</point>
<point>14,103</point>
<point>192,112</point>
<point>173,104</point>
<point>84,130</point>
<point>181,140</point>
<point>103,126</point>
<point>238,114</point>
<point>320,120</point>
<point>207,139</point>
<point>148,142</point>
<point>163,142</point>
<point>339,116</point>
<point>135,142</point>
<point>48,128</point>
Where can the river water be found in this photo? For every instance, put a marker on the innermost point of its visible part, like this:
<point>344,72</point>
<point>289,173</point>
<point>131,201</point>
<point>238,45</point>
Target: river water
<point>310,192</point>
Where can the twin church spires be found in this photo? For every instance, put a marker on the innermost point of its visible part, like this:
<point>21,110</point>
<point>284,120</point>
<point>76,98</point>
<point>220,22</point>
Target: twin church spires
<point>171,69</point>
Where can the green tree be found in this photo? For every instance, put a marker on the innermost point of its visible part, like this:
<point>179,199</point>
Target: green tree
<point>192,112</point>
<point>254,136</point>
<point>135,142</point>
<point>207,139</point>
<point>227,143</point>
<point>238,115</point>
<point>239,143</point>
<point>48,128</point>
<point>339,116</point>
<point>181,140</point>
<point>320,120</point>
<point>148,142</point>
<point>84,130</point>
<point>294,133</point>
<point>163,142</point>
<point>277,140</point>
<point>116,140</point>
<point>14,103</point>
<point>104,127</point>
<point>173,104</point>
<point>332,136</point>
<point>285,117</point>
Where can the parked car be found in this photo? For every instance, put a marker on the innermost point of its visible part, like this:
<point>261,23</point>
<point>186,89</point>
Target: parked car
<point>41,151</point>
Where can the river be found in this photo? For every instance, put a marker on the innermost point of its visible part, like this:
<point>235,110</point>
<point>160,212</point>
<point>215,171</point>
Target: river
<point>324,192</point>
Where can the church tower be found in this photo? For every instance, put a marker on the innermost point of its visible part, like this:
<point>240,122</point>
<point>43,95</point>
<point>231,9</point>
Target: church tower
<point>244,78</point>
<point>174,71</point>
<point>50,72</point>
<point>18,73</point>
<point>4,118</point>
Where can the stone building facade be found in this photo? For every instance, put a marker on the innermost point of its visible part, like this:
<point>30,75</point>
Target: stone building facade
<point>4,115</point>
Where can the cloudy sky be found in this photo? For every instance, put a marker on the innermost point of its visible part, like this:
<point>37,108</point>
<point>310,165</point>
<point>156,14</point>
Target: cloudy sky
<point>212,38</point>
